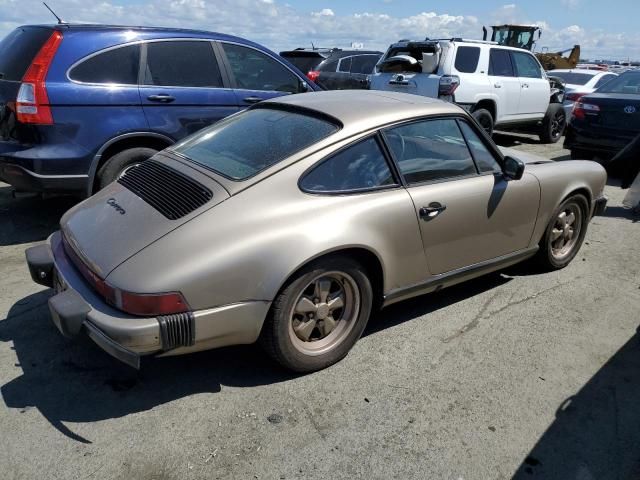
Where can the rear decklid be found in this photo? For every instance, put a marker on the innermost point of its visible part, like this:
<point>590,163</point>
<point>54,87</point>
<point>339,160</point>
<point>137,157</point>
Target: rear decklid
<point>17,51</point>
<point>619,111</point>
<point>147,203</point>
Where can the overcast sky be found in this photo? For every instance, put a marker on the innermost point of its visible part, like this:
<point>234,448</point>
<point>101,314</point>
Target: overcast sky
<point>603,29</point>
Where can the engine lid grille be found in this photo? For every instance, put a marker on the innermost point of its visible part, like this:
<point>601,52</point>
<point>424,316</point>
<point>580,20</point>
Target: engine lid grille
<point>170,192</point>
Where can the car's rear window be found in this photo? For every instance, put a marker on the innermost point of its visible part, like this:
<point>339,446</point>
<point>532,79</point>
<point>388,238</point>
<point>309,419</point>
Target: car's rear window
<point>18,49</point>
<point>304,62</point>
<point>628,82</point>
<point>244,144</point>
<point>572,78</point>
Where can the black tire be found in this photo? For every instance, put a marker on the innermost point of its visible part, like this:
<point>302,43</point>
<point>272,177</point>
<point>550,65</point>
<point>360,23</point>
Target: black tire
<point>579,154</point>
<point>484,119</point>
<point>278,336</point>
<point>547,258</point>
<point>116,165</point>
<point>553,124</point>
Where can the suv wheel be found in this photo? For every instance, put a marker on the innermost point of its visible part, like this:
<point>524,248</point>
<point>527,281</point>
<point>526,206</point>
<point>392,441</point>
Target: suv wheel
<point>118,165</point>
<point>553,123</point>
<point>484,119</point>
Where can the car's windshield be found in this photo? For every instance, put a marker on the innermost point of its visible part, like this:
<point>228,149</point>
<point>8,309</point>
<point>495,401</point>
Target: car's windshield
<point>572,78</point>
<point>628,82</point>
<point>242,145</point>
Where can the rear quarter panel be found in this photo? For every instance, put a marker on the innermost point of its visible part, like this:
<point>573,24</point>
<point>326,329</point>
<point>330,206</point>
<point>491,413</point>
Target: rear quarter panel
<point>558,180</point>
<point>246,247</point>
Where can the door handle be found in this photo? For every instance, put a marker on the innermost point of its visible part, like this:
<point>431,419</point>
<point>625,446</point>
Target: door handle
<point>432,211</point>
<point>162,98</point>
<point>497,85</point>
<point>252,100</point>
<point>525,85</point>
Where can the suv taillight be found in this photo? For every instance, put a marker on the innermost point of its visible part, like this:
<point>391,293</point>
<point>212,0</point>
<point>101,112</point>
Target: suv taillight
<point>313,75</point>
<point>448,85</point>
<point>32,103</point>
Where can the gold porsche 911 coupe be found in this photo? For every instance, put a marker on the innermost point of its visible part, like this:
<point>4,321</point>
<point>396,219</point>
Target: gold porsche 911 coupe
<point>290,222</point>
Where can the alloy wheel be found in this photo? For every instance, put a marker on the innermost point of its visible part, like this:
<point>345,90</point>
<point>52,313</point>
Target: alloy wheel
<point>566,231</point>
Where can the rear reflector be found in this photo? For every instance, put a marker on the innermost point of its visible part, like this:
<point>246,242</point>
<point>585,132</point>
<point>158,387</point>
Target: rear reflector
<point>32,103</point>
<point>313,75</point>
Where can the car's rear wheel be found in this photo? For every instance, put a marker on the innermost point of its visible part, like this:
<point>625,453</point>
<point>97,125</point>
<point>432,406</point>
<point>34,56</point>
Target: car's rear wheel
<point>121,162</point>
<point>553,124</point>
<point>484,119</point>
<point>319,315</point>
<point>564,234</point>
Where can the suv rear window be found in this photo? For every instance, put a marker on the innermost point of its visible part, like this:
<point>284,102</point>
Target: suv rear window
<point>119,66</point>
<point>275,135</point>
<point>467,59</point>
<point>18,49</point>
<point>305,62</point>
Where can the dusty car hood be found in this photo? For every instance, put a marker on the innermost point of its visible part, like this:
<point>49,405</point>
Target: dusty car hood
<point>115,224</point>
<point>524,156</point>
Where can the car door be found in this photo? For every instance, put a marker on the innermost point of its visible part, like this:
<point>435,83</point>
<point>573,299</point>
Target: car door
<point>362,67</point>
<point>504,83</point>
<point>468,211</point>
<point>535,89</point>
<point>183,88</point>
<point>256,76</point>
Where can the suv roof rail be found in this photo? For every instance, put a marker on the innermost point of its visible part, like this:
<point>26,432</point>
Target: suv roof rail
<point>469,40</point>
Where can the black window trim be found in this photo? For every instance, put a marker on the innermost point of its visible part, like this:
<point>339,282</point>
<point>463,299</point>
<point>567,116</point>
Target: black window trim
<point>454,117</point>
<point>143,60</point>
<point>227,65</point>
<point>390,164</point>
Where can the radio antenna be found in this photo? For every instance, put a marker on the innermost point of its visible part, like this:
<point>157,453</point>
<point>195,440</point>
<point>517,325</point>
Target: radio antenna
<point>60,21</point>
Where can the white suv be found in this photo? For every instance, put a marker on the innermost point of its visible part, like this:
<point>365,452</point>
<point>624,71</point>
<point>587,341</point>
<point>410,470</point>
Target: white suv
<point>500,86</point>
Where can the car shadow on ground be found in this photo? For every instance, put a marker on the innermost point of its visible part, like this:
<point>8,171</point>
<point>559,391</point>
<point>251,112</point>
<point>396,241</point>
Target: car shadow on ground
<point>75,381</point>
<point>30,218</point>
<point>621,212</point>
<point>596,432</point>
<point>511,139</point>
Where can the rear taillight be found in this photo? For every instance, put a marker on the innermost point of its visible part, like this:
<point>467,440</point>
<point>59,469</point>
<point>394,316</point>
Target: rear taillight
<point>574,96</point>
<point>313,75</point>
<point>581,110</point>
<point>32,104</point>
<point>142,304</point>
<point>448,85</point>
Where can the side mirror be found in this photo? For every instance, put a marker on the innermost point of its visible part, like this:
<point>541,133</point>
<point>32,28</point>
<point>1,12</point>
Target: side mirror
<point>513,168</point>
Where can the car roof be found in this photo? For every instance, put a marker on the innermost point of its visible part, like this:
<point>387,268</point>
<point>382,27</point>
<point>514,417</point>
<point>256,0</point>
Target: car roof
<point>359,110</point>
<point>147,29</point>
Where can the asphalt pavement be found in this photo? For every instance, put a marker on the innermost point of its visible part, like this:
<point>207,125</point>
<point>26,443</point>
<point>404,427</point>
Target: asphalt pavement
<point>514,375</point>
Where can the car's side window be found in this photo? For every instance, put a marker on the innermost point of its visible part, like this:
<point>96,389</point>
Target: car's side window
<point>344,65</point>
<point>254,70</point>
<point>182,64</point>
<point>116,66</point>
<point>364,63</point>
<point>359,167</point>
<point>467,59</point>
<point>485,161</point>
<point>604,79</point>
<point>430,150</point>
<point>500,63</point>
<point>526,65</point>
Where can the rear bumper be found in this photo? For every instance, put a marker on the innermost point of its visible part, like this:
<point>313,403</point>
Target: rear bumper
<point>599,206</point>
<point>76,309</point>
<point>26,180</point>
<point>601,141</point>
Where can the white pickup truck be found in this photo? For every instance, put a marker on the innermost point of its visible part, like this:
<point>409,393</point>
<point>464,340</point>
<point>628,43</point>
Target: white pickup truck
<point>500,86</point>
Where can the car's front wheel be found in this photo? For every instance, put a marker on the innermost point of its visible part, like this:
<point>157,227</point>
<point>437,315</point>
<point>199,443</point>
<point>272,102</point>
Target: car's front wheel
<point>564,234</point>
<point>319,315</point>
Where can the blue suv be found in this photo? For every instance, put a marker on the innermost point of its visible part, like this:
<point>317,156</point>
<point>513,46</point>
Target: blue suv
<point>80,104</point>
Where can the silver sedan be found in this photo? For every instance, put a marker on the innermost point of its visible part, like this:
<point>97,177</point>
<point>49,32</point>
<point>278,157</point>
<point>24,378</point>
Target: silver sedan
<point>290,222</point>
